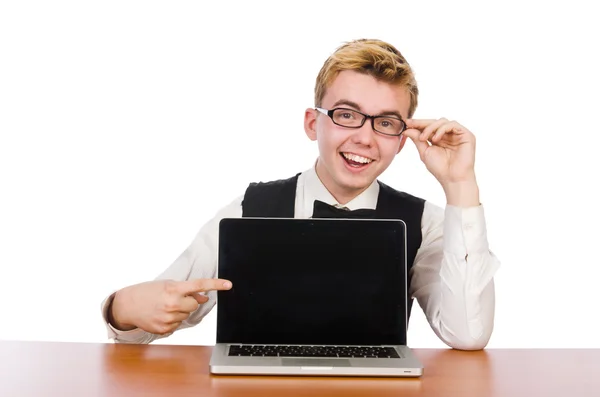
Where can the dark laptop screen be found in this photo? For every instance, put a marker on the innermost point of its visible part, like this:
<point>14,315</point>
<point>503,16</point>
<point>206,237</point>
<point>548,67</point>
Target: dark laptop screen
<point>312,281</point>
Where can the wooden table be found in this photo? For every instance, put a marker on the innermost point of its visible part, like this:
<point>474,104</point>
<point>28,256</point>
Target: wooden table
<point>88,370</point>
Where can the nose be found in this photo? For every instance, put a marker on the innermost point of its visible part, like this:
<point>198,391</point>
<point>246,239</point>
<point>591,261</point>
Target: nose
<point>364,135</point>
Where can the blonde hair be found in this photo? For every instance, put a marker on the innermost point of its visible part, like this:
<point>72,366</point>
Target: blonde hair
<point>373,57</point>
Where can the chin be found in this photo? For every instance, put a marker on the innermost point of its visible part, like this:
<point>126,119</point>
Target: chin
<point>351,179</point>
<point>354,182</point>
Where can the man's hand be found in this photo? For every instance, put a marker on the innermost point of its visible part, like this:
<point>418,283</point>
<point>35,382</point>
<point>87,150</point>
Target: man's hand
<point>160,306</point>
<point>448,151</point>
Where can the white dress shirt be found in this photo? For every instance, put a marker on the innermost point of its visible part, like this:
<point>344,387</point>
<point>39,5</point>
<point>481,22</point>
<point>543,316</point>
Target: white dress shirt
<point>451,278</point>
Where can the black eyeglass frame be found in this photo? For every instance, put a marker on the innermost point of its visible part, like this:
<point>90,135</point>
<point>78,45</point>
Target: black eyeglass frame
<point>329,112</point>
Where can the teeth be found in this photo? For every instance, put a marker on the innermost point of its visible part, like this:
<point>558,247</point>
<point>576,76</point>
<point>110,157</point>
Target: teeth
<point>357,158</point>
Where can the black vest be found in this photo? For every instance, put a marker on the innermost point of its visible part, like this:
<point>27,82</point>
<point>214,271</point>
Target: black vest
<point>277,199</point>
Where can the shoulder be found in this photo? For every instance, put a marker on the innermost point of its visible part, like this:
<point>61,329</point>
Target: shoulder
<point>270,189</point>
<point>398,194</point>
<point>433,215</point>
<point>233,209</point>
<point>200,256</point>
<point>274,184</point>
<point>270,199</point>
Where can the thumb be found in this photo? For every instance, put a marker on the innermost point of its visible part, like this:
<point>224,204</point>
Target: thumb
<point>200,297</point>
<point>414,134</point>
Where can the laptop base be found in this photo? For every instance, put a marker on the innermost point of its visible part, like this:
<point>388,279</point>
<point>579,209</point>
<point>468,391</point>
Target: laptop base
<point>406,366</point>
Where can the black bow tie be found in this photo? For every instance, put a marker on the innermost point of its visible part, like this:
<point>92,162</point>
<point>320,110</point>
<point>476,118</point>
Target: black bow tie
<point>324,210</point>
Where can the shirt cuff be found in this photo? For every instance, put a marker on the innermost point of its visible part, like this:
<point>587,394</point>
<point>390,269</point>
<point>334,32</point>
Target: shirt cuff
<point>465,231</point>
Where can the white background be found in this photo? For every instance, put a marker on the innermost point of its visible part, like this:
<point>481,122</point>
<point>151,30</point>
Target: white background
<point>125,125</point>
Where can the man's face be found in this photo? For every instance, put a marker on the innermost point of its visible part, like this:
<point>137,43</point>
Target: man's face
<point>343,173</point>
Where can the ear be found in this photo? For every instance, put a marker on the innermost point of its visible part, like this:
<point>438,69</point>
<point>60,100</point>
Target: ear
<point>310,124</point>
<point>402,142</point>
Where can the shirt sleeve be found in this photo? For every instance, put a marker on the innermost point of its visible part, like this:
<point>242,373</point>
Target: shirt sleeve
<point>452,276</point>
<point>199,260</point>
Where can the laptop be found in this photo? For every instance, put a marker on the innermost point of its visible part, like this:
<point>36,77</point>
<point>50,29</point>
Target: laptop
<point>313,297</point>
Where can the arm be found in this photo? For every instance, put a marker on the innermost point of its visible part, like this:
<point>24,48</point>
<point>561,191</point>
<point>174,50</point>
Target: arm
<point>453,270</point>
<point>452,277</point>
<point>198,261</point>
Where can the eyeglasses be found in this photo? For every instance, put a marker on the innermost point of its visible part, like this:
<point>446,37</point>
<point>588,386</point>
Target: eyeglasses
<point>387,125</point>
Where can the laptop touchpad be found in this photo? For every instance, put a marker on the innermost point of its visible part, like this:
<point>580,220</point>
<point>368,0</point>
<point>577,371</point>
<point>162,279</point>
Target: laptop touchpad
<point>315,362</point>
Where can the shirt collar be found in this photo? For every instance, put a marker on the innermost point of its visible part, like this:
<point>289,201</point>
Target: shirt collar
<point>315,190</point>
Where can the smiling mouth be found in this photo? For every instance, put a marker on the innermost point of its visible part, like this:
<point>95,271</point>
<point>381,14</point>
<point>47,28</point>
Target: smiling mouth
<point>355,160</point>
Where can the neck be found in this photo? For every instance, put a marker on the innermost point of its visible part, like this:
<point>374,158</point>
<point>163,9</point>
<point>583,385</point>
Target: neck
<point>342,195</point>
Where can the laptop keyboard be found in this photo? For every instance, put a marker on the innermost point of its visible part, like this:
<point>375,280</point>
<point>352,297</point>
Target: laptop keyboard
<point>313,351</point>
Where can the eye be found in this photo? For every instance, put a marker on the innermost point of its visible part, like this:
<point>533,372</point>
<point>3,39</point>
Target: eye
<point>347,117</point>
<point>389,125</point>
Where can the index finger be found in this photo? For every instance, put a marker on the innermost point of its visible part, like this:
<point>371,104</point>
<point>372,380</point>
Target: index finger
<point>204,284</point>
<point>419,123</point>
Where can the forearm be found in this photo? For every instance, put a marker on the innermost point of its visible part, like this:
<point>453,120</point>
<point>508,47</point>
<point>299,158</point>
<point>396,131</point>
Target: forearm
<point>461,307</point>
<point>452,277</point>
<point>463,194</point>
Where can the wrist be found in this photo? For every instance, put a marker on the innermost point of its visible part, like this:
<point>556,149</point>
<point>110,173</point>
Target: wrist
<point>463,193</point>
<point>115,313</point>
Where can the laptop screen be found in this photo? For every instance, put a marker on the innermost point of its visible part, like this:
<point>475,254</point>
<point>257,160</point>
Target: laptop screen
<point>312,281</point>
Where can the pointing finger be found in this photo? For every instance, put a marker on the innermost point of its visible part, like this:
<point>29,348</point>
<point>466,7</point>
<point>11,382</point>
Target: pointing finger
<point>203,285</point>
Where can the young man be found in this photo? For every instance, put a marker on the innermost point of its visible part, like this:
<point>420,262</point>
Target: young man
<point>365,98</point>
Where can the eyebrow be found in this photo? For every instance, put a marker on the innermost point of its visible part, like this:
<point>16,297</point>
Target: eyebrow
<point>356,106</point>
